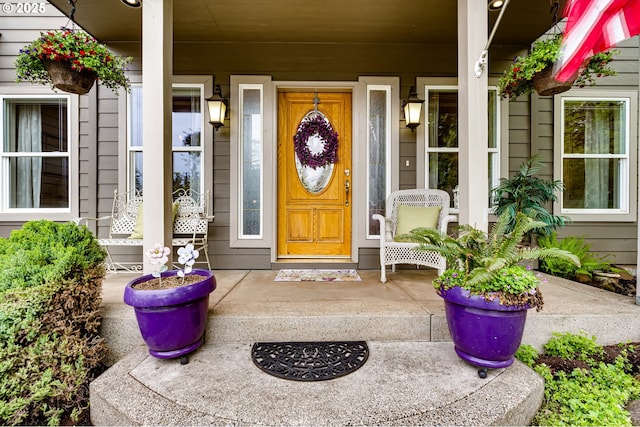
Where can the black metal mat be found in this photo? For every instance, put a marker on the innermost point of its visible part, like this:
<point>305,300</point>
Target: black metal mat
<point>310,361</point>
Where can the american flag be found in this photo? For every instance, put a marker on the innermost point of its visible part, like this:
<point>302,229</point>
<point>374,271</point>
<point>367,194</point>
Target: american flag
<point>594,26</point>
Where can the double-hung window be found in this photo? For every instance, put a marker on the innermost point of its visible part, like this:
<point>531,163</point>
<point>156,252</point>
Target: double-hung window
<point>36,156</point>
<point>187,122</point>
<point>596,137</point>
<point>441,139</point>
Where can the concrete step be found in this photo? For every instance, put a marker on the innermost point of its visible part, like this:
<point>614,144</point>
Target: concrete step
<point>410,378</point>
<point>248,306</point>
<point>310,321</point>
<point>402,383</point>
<point>308,311</point>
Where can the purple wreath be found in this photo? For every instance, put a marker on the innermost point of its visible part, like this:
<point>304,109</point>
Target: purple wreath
<point>306,129</point>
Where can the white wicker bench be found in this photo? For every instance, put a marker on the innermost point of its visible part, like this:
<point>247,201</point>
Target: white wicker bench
<point>191,225</point>
<point>392,252</point>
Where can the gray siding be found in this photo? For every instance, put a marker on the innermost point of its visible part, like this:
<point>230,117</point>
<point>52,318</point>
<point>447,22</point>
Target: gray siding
<point>101,163</point>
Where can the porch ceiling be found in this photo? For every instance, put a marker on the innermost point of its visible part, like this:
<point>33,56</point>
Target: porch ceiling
<point>303,21</point>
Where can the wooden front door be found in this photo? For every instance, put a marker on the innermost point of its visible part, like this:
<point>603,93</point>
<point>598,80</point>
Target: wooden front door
<point>314,204</point>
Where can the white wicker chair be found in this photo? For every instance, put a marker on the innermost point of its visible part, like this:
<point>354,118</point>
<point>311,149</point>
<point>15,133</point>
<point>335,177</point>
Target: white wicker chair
<point>190,225</point>
<point>392,252</point>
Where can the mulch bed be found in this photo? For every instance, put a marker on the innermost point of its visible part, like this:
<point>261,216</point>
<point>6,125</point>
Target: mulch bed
<point>611,352</point>
<point>624,285</point>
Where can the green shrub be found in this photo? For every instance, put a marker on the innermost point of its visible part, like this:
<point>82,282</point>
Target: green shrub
<point>50,287</point>
<point>527,355</point>
<point>528,194</point>
<point>588,398</point>
<point>573,346</point>
<point>589,262</point>
<point>584,397</point>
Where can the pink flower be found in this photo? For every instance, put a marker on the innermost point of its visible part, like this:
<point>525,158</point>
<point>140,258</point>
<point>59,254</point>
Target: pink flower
<point>158,254</point>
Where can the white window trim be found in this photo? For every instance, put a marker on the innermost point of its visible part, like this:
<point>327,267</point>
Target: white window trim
<point>359,225</point>
<point>268,178</point>
<point>73,117</point>
<point>391,85</point>
<point>241,153</point>
<point>628,210</point>
<point>359,94</point>
<point>451,83</point>
<point>204,125</point>
<point>206,176</point>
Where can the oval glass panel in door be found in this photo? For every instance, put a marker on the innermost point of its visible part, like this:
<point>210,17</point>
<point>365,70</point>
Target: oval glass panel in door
<point>316,143</point>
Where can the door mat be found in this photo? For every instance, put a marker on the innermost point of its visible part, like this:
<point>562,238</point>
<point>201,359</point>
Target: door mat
<point>317,275</point>
<point>310,361</point>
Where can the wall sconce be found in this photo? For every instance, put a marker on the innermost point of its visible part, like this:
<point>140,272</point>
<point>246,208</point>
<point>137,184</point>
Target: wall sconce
<point>412,109</point>
<point>132,3</point>
<point>217,108</point>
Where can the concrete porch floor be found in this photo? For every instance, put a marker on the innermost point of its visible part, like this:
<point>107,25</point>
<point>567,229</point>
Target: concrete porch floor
<point>412,376</point>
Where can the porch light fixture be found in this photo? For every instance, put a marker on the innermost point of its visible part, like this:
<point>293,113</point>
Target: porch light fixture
<point>217,108</point>
<point>495,5</point>
<point>412,109</point>
<point>132,3</point>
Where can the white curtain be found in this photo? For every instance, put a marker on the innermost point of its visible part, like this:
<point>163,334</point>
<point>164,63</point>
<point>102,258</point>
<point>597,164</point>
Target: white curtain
<point>29,169</point>
<point>597,134</point>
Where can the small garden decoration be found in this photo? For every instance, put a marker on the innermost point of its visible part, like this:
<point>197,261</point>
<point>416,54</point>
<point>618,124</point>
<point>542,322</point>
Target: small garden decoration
<point>159,255</point>
<point>316,125</point>
<point>187,256</point>
<point>519,78</point>
<point>76,57</point>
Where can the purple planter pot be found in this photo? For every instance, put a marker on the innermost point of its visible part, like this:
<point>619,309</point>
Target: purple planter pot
<point>172,321</point>
<point>485,333</point>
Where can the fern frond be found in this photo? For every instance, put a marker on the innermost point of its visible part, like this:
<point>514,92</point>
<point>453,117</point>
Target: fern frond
<point>479,275</point>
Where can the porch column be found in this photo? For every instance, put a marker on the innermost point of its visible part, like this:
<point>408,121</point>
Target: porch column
<point>634,169</point>
<point>473,118</point>
<point>157,69</point>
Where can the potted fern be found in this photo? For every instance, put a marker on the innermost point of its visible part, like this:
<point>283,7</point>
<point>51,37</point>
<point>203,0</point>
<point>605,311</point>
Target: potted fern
<point>71,60</point>
<point>533,72</point>
<point>485,289</point>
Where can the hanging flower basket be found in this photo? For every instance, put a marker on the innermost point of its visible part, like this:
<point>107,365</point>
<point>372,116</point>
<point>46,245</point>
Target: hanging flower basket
<point>71,60</point>
<point>546,85</point>
<point>533,72</point>
<point>67,79</point>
